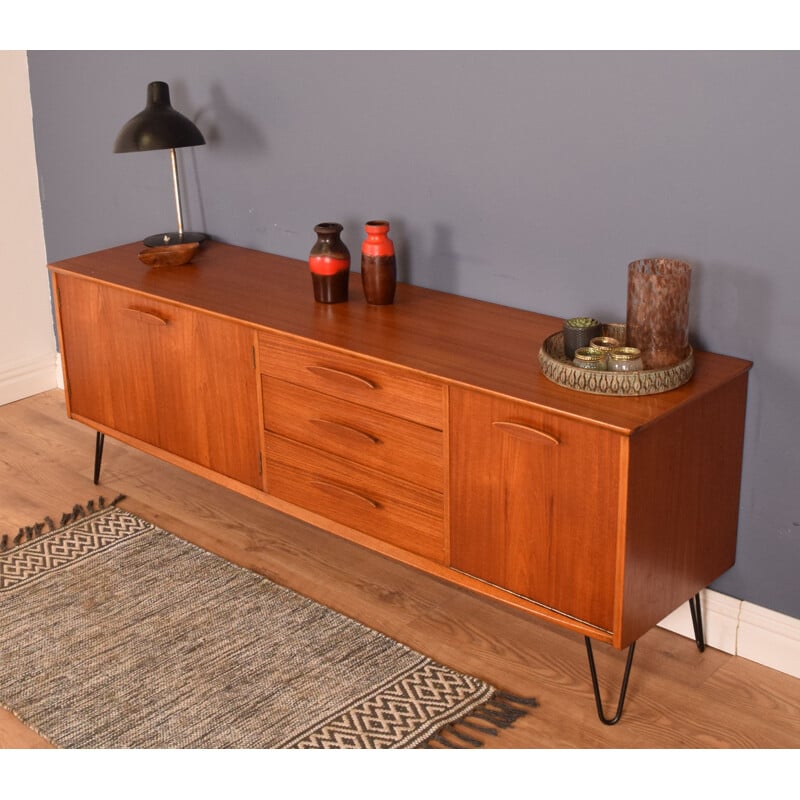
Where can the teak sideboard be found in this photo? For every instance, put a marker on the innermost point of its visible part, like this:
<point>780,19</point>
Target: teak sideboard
<point>424,430</point>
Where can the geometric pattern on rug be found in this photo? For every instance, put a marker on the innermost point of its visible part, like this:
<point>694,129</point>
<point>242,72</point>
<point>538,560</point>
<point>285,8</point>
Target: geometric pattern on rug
<point>65,547</point>
<point>118,634</point>
<point>393,715</point>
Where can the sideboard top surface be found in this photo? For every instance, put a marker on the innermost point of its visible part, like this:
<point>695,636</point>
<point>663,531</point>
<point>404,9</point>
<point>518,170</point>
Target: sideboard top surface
<point>458,339</point>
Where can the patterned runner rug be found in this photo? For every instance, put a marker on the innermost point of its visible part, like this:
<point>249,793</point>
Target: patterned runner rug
<point>117,634</point>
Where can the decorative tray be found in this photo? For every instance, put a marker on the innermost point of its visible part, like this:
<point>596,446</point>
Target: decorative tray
<point>621,384</point>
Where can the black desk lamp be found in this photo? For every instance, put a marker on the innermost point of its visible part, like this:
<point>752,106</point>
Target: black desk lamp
<point>161,127</point>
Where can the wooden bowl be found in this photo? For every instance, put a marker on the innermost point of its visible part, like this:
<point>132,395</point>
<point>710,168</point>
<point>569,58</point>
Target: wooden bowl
<point>169,255</point>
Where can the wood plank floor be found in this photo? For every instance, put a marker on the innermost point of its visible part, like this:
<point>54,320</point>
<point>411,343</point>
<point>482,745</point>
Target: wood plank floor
<point>678,697</point>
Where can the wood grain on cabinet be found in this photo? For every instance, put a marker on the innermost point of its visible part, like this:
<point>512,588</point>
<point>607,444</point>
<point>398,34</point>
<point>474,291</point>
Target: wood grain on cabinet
<point>424,430</point>
<point>386,387</point>
<point>382,441</point>
<point>176,378</point>
<point>682,506</point>
<point>358,441</point>
<point>534,504</point>
<point>386,508</point>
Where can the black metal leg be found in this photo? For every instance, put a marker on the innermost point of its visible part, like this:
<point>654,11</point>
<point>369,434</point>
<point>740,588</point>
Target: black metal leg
<point>98,456</point>
<point>697,622</point>
<point>615,719</point>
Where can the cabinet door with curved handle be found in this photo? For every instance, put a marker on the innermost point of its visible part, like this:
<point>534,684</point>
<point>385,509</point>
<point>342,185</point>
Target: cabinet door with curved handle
<point>534,503</point>
<point>173,377</point>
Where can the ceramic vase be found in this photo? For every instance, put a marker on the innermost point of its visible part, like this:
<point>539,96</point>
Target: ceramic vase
<point>658,311</point>
<point>378,266</point>
<point>329,262</point>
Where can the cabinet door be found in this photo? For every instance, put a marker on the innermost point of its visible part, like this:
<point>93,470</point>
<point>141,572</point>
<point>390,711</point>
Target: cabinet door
<point>534,504</point>
<point>181,380</point>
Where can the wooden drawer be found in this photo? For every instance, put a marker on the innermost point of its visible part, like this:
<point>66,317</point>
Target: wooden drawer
<point>371,438</point>
<point>391,389</point>
<point>391,510</point>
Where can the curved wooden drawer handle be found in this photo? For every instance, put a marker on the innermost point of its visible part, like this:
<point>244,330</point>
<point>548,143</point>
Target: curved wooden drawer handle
<point>334,488</point>
<point>330,372</point>
<point>149,317</point>
<point>524,431</point>
<point>348,430</point>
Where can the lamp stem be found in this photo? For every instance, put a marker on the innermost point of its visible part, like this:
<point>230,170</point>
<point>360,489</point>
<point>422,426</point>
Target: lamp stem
<point>177,190</point>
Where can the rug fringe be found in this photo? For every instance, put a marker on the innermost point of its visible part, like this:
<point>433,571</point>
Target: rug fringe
<point>78,511</point>
<point>502,710</point>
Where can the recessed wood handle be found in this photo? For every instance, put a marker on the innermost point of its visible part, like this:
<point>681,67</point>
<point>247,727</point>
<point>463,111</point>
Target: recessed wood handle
<point>334,488</point>
<point>525,431</point>
<point>341,375</point>
<point>148,317</point>
<point>347,430</point>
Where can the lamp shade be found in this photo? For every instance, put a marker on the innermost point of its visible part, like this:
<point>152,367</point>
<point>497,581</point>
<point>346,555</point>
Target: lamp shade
<point>158,127</point>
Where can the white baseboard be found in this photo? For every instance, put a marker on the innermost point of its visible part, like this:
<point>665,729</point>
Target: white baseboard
<point>24,379</point>
<point>743,629</point>
<point>770,638</point>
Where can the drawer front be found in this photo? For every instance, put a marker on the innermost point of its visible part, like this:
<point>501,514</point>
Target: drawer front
<point>393,511</point>
<point>404,449</point>
<point>391,389</point>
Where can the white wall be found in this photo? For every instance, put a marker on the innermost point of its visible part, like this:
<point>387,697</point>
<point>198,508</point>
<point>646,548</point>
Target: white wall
<point>27,341</point>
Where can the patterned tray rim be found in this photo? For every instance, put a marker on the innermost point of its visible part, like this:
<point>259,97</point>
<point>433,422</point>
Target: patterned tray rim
<point>611,384</point>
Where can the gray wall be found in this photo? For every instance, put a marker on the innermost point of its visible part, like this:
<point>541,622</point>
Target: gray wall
<point>526,178</point>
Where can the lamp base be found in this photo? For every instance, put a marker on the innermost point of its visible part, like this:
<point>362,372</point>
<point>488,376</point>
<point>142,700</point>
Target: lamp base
<point>161,239</point>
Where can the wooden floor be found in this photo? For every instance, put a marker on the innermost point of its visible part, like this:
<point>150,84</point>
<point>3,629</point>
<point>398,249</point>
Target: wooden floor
<point>677,698</point>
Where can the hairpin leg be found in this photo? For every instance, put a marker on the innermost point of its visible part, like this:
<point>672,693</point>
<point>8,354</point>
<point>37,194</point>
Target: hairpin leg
<point>697,622</point>
<point>615,719</point>
<point>98,456</point>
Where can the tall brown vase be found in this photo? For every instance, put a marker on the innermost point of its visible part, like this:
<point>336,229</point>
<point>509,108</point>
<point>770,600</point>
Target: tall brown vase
<point>378,267</point>
<point>658,311</point>
<point>329,262</point>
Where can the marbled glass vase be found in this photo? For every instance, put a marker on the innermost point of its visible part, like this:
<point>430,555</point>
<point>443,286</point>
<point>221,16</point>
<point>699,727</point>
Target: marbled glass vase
<point>658,311</point>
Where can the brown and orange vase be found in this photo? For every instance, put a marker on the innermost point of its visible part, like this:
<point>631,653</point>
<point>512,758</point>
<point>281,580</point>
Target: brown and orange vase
<point>378,267</point>
<point>329,262</point>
